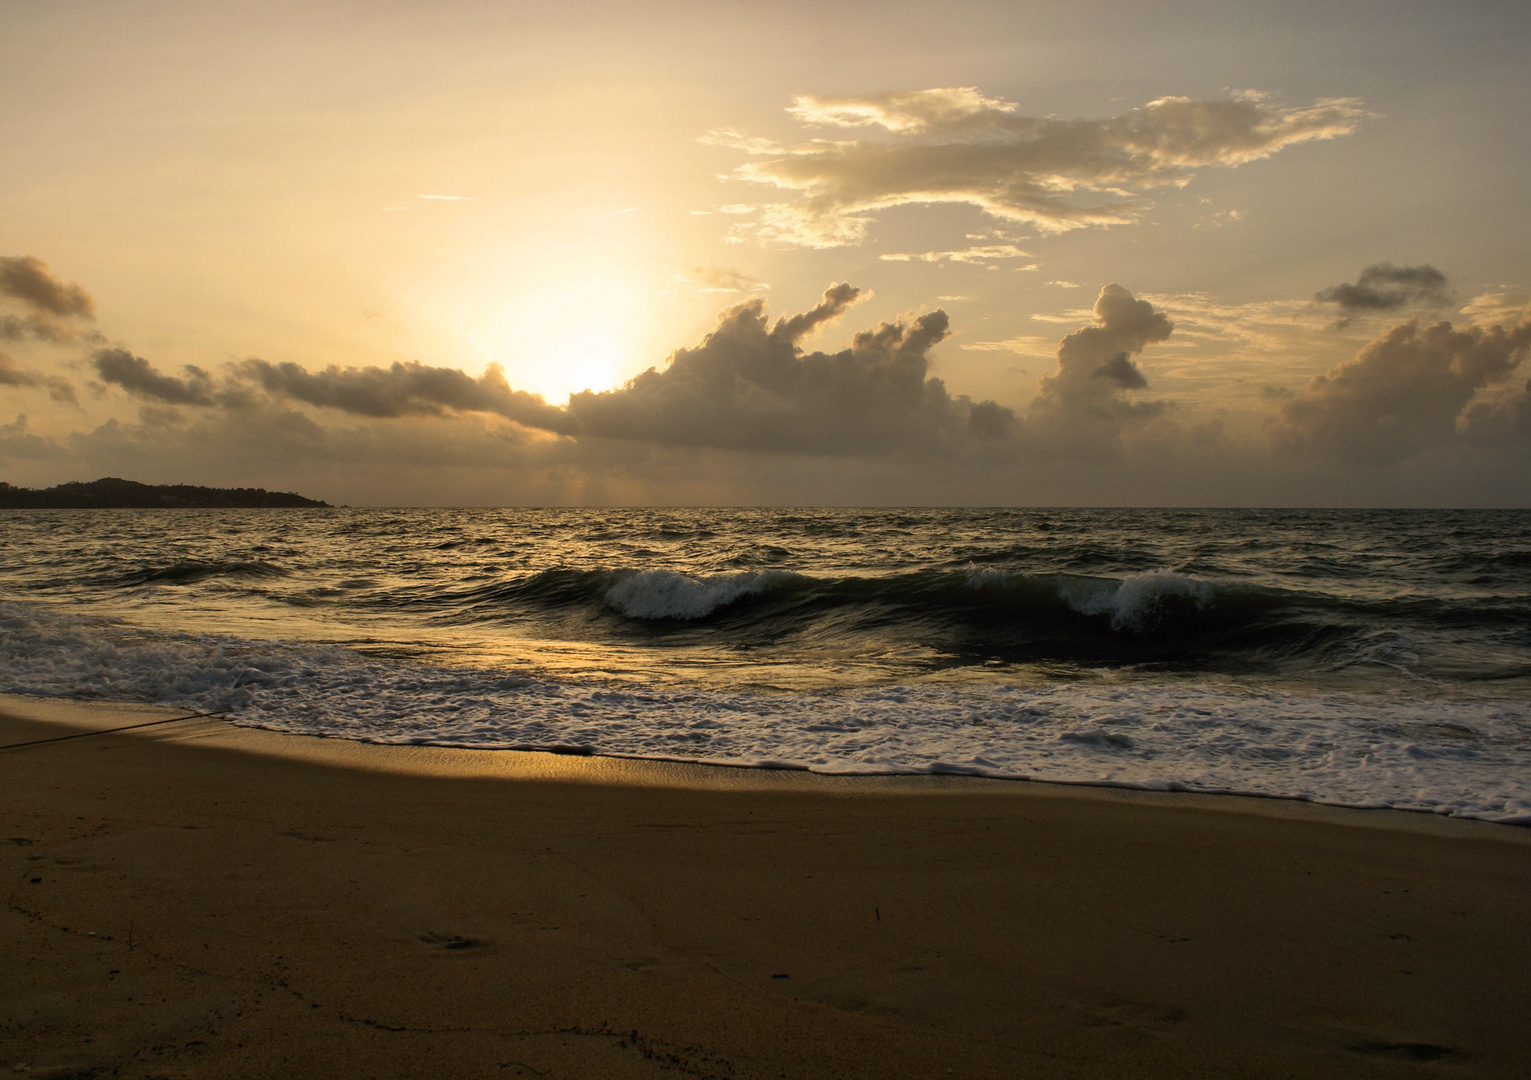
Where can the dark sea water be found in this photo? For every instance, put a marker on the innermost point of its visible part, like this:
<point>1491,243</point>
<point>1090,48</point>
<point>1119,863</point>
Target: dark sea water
<point>1378,658</point>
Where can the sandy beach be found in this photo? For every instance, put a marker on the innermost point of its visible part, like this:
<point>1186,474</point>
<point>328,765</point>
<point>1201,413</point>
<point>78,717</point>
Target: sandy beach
<point>193,899</point>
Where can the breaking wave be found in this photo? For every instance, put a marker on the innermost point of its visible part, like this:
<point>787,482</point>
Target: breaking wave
<point>1459,758</point>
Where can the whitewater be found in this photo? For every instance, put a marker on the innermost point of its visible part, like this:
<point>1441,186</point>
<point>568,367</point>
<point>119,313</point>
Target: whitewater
<point>1378,659</point>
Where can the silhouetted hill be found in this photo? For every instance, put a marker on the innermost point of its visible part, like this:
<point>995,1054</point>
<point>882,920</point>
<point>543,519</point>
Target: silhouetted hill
<point>110,493</point>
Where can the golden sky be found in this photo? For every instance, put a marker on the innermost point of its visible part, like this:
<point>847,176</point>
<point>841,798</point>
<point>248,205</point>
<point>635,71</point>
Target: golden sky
<point>495,253</point>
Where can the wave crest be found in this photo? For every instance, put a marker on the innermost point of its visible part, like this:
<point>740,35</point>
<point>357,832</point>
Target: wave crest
<point>666,594</point>
<point>1139,600</point>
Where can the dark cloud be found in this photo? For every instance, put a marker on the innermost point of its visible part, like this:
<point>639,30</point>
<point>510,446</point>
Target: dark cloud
<point>17,442</point>
<point>141,379</point>
<point>53,305</point>
<point>1505,422</point>
<point>28,279</point>
<point>1385,287</point>
<point>1122,372</point>
<point>58,387</point>
<point>954,145</point>
<point>411,389</point>
<point>11,375</point>
<point>153,416</point>
<point>20,328</point>
<point>1404,393</point>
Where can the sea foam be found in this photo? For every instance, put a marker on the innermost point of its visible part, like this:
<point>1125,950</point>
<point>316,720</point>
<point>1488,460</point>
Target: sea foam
<point>1134,602</point>
<point>1462,758</point>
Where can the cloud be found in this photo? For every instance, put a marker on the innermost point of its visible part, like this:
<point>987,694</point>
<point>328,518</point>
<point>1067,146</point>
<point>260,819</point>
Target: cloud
<point>51,303</point>
<point>27,278</point>
<point>403,389</point>
<point>1122,373</point>
<point>749,414</point>
<point>1021,345</point>
<point>720,279</point>
<point>955,145</point>
<point>1096,361</point>
<point>982,254</point>
<point>17,442</point>
<point>1487,309</point>
<point>1385,287</point>
<point>59,388</point>
<point>141,379</point>
<point>408,389</point>
<point>1404,393</point>
<point>1085,410</point>
<point>749,385</point>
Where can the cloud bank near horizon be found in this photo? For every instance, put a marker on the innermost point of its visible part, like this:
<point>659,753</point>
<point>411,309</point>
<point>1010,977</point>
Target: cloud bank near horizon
<point>748,395</point>
<point>750,386</point>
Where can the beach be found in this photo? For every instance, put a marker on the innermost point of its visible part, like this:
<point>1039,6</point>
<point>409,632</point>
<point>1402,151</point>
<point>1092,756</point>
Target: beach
<point>190,898</point>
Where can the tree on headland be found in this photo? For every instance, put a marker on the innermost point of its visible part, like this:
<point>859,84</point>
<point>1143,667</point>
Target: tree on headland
<point>112,493</point>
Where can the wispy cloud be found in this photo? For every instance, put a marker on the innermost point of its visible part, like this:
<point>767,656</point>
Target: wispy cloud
<point>956,145</point>
<point>720,279</point>
<point>981,255</point>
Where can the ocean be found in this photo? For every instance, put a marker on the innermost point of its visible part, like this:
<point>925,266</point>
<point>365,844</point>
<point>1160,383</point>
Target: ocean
<point>1359,658</point>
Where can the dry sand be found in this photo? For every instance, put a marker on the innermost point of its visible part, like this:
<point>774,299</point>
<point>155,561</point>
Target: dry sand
<point>193,899</point>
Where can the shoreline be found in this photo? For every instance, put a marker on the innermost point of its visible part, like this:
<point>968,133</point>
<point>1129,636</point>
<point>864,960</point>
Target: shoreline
<point>581,766</point>
<point>197,899</point>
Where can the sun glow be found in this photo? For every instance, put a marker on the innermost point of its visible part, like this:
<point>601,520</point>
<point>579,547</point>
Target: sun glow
<point>556,340</point>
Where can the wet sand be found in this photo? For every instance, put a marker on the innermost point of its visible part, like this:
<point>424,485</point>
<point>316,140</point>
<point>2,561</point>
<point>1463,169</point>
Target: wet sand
<point>193,899</point>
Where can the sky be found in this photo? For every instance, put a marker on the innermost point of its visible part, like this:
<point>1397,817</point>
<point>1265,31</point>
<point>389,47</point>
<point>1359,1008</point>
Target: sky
<point>1057,253</point>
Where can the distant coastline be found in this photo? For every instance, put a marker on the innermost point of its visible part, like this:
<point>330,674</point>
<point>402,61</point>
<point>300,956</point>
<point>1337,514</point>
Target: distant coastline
<point>112,493</point>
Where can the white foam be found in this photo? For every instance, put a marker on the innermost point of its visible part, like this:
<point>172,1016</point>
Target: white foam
<point>1133,603</point>
<point>665,594</point>
<point>1466,758</point>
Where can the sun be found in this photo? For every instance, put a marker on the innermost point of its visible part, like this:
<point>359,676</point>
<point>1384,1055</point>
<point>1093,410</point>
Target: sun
<point>580,333</point>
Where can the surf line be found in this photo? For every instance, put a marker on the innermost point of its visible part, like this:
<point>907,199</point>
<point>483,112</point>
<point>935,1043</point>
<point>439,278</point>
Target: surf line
<point>110,731</point>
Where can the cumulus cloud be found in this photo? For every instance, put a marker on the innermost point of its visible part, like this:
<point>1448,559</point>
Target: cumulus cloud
<point>749,385</point>
<point>1424,413</point>
<point>956,145</point>
<point>53,306</point>
<point>1385,287</point>
<point>1095,365</point>
<point>1405,392</point>
<point>141,379</point>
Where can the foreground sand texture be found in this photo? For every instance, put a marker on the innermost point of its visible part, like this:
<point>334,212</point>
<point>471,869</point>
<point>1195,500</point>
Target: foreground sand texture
<point>192,899</point>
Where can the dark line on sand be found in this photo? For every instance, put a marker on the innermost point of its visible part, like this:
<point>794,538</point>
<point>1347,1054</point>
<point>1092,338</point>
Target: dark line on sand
<point>109,731</point>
